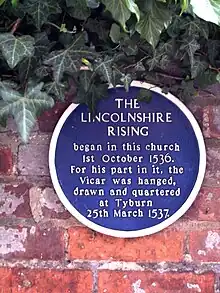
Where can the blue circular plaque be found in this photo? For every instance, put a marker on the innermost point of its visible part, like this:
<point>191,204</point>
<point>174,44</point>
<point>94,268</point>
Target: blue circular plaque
<point>134,168</point>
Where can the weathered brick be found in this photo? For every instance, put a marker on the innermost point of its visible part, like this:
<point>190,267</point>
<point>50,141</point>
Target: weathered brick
<point>211,122</point>
<point>14,201</point>
<point>29,243</point>
<point>86,244</point>
<point>5,280</point>
<point>212,176</point>
<point>45,204</point>
<point>206,205</point>
<point>6,160</point>
<point>48,120</point>
<point>33,160</point>
<point>143,282</point>
<point>50,281</point>
<point>205,245</point>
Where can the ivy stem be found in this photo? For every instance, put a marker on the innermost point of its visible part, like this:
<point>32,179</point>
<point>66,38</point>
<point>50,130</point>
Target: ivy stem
<point>16,25</point>
<point>170,76</point>
<point>214,69</point>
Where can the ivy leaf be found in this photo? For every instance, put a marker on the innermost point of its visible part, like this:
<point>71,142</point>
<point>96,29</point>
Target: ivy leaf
<point>40,10</point>
<point>68,60</point>
<point>196,28</point>
<point>144,95</point>
<point>78,9</point>
<point>26,68</point>
<point>93,3</point>
<point>199,66</point>
<point>208,10</point>
<point>16,49</point>
<point>104,69</point>
<point>96,93</point>
<point>56,89</point>
<point>24,107</point>
<point>126,79</point>
<point>115,33</point>
<point>190,45</point>
<point>213,51</point>
<point>206,78</point>
<point>152,22</point>
<point>42,71</point>
<point>121,10</point>
<point>100,27</point>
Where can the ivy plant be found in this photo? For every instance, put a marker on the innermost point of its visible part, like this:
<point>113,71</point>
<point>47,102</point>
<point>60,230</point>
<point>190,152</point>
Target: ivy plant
<point>46,45</point>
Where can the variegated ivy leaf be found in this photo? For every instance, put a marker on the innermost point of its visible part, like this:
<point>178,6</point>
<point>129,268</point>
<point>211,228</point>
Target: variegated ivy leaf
<point>152,22</point>
<point>104,69</point>
<point>56,89</point>
<point>78,9</point>
<point>121,10</point>
<point>68,60</point>
<point>24,107</point>
<point>190,46</point>
<point>40,10</point>
<point>208,10</point>
<point>16,49</point>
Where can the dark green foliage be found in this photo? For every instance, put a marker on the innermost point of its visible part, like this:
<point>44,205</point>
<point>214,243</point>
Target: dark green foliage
<point>44,44</point>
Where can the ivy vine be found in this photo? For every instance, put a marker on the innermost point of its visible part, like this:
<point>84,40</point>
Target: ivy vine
<point>46,44</point>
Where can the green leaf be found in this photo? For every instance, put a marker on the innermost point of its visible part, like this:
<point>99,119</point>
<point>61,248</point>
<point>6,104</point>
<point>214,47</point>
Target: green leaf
<point>213,51</point>
<point>196,27</point>
<point>144,95</point>
<point>16,49</point>
<point>96,93</point>
<point>24,107</point>
<point>26,68</point>
<point>40,10</point>
<point>218,77</point>
<point>56,89</point>
<point>2,2</point>
<point>190,46</point>
<point>121,10</point>
<point>104,69</point>
<point>68,60</point>
<point>126,79</point>
<point>115,33</point>
<point>153,21</point>
<point>93,3</point>
<point>199,66</point>
<point>78,9</point>
<point>206,78</point>
<point>100,27</point>
<point>160,56</point>
<point>14,3</point>
<point>208,10</point>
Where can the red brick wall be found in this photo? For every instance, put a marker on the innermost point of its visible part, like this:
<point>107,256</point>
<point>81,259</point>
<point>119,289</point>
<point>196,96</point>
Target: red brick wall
<point>43,249</point>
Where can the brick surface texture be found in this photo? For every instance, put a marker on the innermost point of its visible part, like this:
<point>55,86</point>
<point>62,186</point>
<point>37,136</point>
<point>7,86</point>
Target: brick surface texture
<point>43,249</point>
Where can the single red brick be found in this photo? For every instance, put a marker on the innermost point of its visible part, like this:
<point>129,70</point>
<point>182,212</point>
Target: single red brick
<point>163,246</point>
<point>143,282</point>
<point>49,119</point>
<point>6,161</point>
<point>205,245</point>
<point>206,205</point>
<point>5,280</point>
<point>51,281</point>
<point>30,243</point>
<point>14,200</point>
